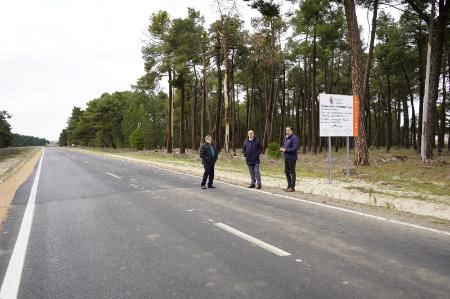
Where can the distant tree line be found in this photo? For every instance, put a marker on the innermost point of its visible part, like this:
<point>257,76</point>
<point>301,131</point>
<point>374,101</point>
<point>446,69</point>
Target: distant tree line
<point>5,129</point>
<point>223,80</point>
<point>129,119</point>
<point>16,140</point>
<point>23,140</point>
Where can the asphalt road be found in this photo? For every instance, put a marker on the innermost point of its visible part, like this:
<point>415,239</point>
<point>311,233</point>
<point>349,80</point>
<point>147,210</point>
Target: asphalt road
<point>106,228</point>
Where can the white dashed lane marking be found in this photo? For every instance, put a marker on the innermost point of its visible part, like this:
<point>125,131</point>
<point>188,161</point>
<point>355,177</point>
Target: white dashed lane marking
<point>113,175</point>
<point>253,240</point>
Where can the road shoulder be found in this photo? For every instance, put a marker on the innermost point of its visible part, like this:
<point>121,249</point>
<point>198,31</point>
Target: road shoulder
<point>15,178</point>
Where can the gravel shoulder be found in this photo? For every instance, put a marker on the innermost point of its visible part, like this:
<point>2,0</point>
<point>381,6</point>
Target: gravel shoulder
<point>16,165</point>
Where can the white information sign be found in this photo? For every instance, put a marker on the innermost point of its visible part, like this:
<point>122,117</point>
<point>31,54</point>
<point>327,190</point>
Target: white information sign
<point>339,115</point>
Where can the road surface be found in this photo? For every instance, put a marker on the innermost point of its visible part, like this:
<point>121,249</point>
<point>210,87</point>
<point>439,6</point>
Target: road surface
<point>106,228</point>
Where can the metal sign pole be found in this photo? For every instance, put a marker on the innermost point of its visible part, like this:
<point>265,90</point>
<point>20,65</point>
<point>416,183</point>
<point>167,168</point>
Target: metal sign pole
<point>338,117</point>
<point>348,154</point>
<point>329,159</point>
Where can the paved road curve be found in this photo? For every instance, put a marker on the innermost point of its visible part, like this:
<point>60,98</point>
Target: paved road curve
<point>105,228</point>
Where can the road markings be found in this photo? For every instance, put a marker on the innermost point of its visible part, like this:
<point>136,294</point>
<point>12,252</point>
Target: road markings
<point>420,227</point>
<point>315,203</point>
<point>13,276</point>
<point>348,211</point>
<point>252,240</point>
<point>87,162</point>
<point>416,226</point>
<point>112,174</point>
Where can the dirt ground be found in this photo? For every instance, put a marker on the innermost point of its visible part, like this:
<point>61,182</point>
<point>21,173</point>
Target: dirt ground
<point>16,164</point>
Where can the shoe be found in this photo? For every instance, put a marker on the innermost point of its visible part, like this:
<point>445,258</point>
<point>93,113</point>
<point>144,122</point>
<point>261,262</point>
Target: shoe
<point>290,190</point>
<point>211,187</point>
<point>203,187</point>
<point>251,186</point>
<point>286,189</point>
<point>259,187</point>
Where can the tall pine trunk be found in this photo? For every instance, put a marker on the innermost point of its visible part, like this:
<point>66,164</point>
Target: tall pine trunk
<point>313,95</point>
<point>361,153</point>
<point>421,87</point>
<point>437,36</point>
<point>170,116</point>
<point>226,96</point>
<point>182,118</point>
<point>218,125</point>
<point>406,142</point>
<point>270,102</point>
<point>398,112</point>
<point>193,110</point>
<point>204,104</point>
<point>442,116</point>
<point>368,67</point>
<point>309,107</point>
<point>233,108</point>
<point>283,106</point>
<point>413,114</point>
<point>389,113</point>
<point>448,63</point>
<point>247,107</point>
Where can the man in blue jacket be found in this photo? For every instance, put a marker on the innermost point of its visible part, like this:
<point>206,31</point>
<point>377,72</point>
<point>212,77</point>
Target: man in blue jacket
<point>291,144</point>
<point>252,149</point>
<point>209,155</point>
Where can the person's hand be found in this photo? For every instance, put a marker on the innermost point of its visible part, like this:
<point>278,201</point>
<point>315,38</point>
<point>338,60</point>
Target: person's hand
<point>282,149</point>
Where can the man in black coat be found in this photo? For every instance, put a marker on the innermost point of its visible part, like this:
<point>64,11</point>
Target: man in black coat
<point>290,148</point>
<point>209,155</point>
<point>251,149</point>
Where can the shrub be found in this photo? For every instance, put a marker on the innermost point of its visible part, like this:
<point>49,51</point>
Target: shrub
<point>273,150</point>
<point>137,139</point>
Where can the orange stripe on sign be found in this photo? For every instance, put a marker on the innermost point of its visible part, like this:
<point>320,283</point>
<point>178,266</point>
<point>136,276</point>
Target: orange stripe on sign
<point>355,116</point>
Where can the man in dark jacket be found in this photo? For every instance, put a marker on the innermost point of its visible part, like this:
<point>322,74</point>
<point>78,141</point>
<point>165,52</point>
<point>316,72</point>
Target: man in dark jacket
<point>252,149</point>
<point>209,155</point>
<point>291,144</point>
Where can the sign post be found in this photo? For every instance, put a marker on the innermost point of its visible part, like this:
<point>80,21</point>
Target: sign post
<point>339,117</point>
<point>329,160</point>
<point>347,156</point>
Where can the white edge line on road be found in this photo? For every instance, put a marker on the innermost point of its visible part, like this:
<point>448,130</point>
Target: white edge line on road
<point>253,240</point>
<point>13,276</point>
<point>321,205</point>
<point>112,174</point>
<point>437,231</point>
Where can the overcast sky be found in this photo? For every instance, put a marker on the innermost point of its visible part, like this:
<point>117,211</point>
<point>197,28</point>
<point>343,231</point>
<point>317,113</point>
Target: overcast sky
<point>56,54</point>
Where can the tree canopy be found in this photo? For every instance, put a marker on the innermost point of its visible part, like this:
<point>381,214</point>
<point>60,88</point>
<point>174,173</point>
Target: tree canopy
<point>224,79</point>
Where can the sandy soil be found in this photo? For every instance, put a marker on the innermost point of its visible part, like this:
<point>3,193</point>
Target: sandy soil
<point>13,173</point>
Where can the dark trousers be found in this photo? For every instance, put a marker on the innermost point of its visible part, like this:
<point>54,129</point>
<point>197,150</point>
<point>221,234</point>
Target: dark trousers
<point>289,169</point>
<point>254,173</point>
<point>209,173</point>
